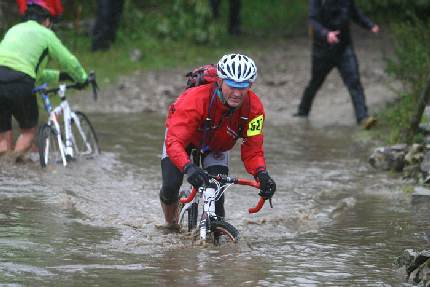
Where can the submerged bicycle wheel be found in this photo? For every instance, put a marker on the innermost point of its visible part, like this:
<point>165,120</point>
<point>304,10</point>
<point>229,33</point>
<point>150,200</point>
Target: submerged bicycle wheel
<point>189,218</point>
<point>84,137</point>
<point>192,216</point>
<point>49,150</point>
<point>223,232</point>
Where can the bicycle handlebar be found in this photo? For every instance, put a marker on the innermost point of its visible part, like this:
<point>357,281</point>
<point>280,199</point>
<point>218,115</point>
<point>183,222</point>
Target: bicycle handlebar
<point>91,80</point>
<point>233,180</point>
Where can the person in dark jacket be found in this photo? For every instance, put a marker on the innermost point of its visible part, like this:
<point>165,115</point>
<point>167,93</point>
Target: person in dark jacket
<point>107,22</point>
<point>332,47</point>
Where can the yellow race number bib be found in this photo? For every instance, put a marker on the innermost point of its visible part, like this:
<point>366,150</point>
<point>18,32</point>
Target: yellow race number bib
<point>255,126</point>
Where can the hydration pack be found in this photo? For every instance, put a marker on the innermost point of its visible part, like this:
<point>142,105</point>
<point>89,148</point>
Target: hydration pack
<point>202,75</point>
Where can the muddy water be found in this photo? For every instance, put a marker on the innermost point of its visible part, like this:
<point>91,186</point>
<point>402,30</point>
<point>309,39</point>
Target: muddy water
<point>334,223</point>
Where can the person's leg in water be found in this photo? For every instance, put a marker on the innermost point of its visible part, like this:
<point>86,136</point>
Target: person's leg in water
<point>26,112</point>
<point>217,163</point>
<point>24,142</point>
<point>321,67</point>
<point>6,142</point>
<point>172,179</point>
<point>6,136</point>
<point>219,204</point>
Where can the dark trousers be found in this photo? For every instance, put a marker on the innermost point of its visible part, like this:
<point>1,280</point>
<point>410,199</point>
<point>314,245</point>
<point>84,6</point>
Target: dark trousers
<point>172,179</point>
<point>234,20</point>
<point>345,60</point>
<point>107,21</point>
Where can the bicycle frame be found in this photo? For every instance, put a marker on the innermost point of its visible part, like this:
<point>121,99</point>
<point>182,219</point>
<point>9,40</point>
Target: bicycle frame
<point>66,147</point>
<point>210,194</point>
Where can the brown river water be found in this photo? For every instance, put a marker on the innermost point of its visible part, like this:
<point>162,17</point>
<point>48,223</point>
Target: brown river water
<point>335,221</point>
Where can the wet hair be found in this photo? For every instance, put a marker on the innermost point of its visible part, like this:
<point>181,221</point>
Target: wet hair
<point>37,13</point>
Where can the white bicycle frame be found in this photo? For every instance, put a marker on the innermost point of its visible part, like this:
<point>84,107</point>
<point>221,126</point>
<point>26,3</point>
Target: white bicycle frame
<point>66,148</point>
<point>209,195</point>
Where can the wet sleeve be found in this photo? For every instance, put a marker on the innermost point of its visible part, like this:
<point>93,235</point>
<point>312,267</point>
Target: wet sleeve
<point>252,149</point>
<point>314,11</point>
<point>67,60</point>
<point>183,121</point>
<point>359,18</point>
<point>49,76</point>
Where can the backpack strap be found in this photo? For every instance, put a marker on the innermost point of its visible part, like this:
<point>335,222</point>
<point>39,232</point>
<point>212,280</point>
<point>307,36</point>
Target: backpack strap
<point>245,111</point>
<point>207,125</point>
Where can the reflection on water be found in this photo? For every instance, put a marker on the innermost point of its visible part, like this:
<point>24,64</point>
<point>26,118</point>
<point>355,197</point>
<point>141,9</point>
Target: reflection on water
<point>334,221</point>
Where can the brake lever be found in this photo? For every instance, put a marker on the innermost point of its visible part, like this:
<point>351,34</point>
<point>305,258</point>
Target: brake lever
<point>270,202</point>
<point>93,82</point>
<point>95,88</point>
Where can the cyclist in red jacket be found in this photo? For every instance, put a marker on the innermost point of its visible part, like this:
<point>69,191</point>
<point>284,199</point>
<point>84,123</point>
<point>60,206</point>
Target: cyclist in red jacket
<point>212,118</point>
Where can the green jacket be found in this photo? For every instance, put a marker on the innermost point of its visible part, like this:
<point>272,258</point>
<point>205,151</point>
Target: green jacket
<point>27,47</point>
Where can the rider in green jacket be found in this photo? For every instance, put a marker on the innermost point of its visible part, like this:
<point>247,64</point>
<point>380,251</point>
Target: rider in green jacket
<point>24,54</point>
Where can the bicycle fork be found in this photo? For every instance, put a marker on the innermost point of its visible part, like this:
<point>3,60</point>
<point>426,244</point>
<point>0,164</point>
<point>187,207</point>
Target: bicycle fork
<point>56,128</point>
<point>208,211</point>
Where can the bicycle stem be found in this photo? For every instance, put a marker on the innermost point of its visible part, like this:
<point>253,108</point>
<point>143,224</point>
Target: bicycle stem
<point>234,180</point>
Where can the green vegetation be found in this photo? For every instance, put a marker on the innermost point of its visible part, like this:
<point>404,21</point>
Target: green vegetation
<point>412,67</point>
<point>397,9</point>
<point>180,33</point>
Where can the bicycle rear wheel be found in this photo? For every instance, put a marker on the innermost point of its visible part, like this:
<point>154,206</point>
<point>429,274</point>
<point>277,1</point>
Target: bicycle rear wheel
<point>49,149</point>
<point>223,232</point>
<point>85,140</point>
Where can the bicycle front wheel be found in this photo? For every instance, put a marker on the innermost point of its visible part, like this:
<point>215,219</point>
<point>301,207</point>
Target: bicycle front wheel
<point>85,140</point>
<point>49,148</point>
<point>188,219</point>
<point>223,232</point>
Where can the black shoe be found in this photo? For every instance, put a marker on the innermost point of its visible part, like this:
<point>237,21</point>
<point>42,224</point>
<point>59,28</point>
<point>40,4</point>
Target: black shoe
<point>300,115</point>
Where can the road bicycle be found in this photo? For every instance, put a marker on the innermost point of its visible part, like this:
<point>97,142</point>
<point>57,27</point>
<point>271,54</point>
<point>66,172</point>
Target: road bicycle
<point>212,227</point>
<point>75,137</point>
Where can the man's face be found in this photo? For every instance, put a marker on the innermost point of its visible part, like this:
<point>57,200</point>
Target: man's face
<point>233,96</point>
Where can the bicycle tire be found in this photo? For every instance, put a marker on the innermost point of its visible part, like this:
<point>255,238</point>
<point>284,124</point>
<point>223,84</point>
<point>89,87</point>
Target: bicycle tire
<point>192,216</point>
<point>48,154</point>
<point>188,220</point>
<point>79,144</point>
<point>223,232</point>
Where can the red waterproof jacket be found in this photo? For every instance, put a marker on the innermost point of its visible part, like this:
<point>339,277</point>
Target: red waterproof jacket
<point>186,121</point>
<point>54,7</point>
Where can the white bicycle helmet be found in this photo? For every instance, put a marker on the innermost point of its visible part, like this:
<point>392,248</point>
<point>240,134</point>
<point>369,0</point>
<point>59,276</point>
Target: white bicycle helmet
<point>238,68</point>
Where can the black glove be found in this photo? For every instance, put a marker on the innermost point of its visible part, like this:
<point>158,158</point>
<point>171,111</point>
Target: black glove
<point>65,77</point>
<point>82,85</point>
<point>267,184</point>
<point>195,175</point>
